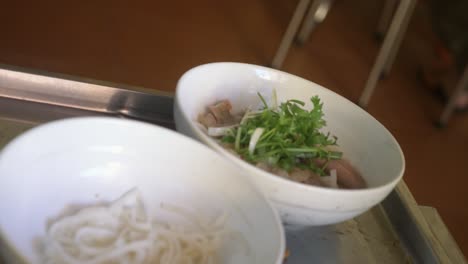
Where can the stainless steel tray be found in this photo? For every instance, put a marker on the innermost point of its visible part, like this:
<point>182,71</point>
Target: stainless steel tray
<point>393,232</point>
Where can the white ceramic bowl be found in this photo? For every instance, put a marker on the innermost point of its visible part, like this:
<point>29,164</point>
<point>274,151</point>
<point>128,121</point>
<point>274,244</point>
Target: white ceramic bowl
<point>85,160</point>
<point>364,141</point>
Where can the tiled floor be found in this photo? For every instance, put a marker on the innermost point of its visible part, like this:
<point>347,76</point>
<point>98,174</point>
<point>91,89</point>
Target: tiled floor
<point>151,43</point>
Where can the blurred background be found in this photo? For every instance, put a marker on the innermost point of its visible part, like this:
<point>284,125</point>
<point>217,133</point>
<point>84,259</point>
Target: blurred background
<point>151,43</point>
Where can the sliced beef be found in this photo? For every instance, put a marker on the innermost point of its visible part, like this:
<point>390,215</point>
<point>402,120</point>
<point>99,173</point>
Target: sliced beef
<point>217,115</point>
<point>207,119</point>
<point>305,176</point>
<point>347,176</point>
<point>222,112</point>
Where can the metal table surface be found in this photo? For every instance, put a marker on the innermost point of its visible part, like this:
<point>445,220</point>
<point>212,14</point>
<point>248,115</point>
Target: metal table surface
<point>392,232</point>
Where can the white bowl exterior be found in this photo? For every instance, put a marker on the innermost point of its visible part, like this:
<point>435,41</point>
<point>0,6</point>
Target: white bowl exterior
<point>365,142</point>
<point>85,160</point>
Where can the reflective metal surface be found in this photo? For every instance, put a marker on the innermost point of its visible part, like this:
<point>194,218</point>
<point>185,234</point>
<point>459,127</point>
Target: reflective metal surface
<point>64,93</point>
<point>389,233</point>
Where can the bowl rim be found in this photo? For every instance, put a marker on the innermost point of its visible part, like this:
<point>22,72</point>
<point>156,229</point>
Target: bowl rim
<point>277,223</point>
<point>267,175</point>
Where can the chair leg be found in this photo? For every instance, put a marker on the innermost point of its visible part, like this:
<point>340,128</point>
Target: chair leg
<point>387,14</point>
<point>451,104</point>
<point>317,12</point>
<point>290,33</point>
<point>398,40</point>
<point>405,8</point>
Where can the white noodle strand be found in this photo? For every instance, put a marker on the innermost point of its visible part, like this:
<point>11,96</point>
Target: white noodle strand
<point>122,232</point>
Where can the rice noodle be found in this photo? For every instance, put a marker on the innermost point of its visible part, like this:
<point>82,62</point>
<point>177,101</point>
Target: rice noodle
<point>123,232</point>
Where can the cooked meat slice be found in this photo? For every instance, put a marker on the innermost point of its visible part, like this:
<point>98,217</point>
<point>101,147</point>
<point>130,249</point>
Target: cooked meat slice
<point>280,172</point>
<point>348,177</point>
<point>208,120</point>
<point>305,176</point>
<point>264,166</point>
<point>222,112</point>
<point>315,180</point>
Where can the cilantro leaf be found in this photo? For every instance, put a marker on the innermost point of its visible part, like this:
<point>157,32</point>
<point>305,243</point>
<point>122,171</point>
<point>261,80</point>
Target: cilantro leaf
<point>291,137</point>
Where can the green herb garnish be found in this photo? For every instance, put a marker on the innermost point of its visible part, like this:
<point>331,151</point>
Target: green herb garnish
<point>290,136</point>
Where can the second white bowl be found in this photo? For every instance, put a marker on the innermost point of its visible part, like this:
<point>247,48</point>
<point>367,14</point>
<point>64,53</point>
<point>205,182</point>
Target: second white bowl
<point>364,141</point>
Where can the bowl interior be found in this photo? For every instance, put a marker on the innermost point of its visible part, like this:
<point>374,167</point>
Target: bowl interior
<point>89,160</point>
<point>364,141</point>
